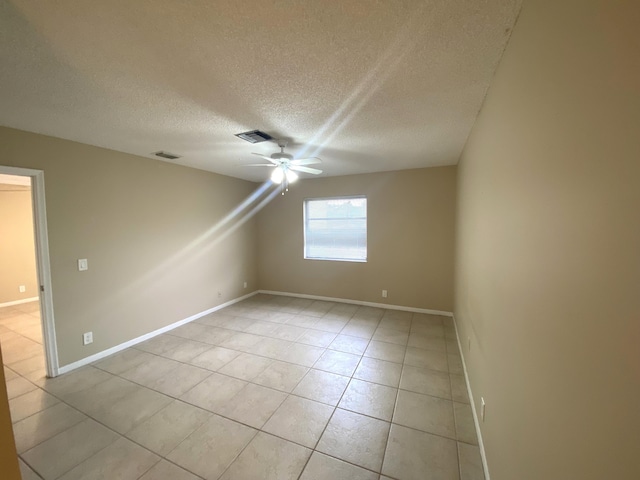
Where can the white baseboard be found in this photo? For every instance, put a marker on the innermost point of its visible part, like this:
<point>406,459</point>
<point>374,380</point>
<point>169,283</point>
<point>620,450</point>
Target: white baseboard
<point>359,302</point>
<point>18,302</point>
<point>110,351</point>
<point>483,455</point>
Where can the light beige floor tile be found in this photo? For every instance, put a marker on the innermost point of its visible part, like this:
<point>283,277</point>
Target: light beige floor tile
<point>344,308</point>
<point>317,338</point>
<point>69,383</point>
<point>214,335</point>
<point>186,350</point>
<point>29,365</point>
<point>238,324</point>
<point>131,410</point>
<point>390,335</point>
<point>262,328</point>
<point>288,332</point>
<point>33,402</point>
<point>371,313</point>
<point>305,355</point>
<point>331,324</point>
<point>59,454</point>
<point>452,346</point>
<point>470,462</point>
<point>423,380</point>
<point>431,359</point>
<point>164,470</point>
<point>164,431</point>
<point>379,371</point>
<point>369,399</point>
<point>19,386</point>
<point>179,380</point>
<point>465,427</point>
<point>209,450</point>
<point>323,467</point>
<point>318,308</point>
<point>428,342</point>
<point>214,319</point>
<point>426,413</point>
<point>355,438</point>
<point>322,386</point>
<point>274,348</point>
<point>459,390</point>
<point>304,321</point>
<point>424,319</point>
<point>253,405</point>
<point>400,324</point>
<point>26,472</point>
<point>415,455</point>
<point>355,329</point>
<point>431,330</point>
<point>281,376</point>
<point>214,358</point>
<point>159,344</point>
<point>148,372</point>
<point>190,331</point>
<point>213,392</point>
<point>349,344</point>
<point>246,366</point>
<point>101,396</point>
<point>337,362</point>
<point>299,420</point>
<point>123,361</point>
<point>241,341</point>
<point>385,351</point>
<point>9,374</point>
<point>455,364</point>
<point>268,458</point>
<point>45,424</point>
<point>122,459</point>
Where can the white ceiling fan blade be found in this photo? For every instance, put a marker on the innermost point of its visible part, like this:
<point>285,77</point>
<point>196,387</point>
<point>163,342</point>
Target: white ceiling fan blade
<point>297,168</point>
<point>275,162</point>
<point>260,165</point>
<point>306,161</point>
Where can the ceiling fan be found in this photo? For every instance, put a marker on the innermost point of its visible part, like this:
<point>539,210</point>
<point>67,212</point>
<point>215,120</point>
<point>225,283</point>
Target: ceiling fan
<point>286,166</point>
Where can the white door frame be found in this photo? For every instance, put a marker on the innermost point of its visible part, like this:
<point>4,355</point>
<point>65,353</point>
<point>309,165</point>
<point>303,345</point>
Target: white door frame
<point>43,265</point>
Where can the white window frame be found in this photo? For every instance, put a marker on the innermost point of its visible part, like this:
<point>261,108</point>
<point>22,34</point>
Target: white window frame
<point>305,225</point>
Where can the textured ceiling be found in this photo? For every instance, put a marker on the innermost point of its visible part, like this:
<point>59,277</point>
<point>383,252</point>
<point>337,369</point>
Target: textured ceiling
<point>365,85</point>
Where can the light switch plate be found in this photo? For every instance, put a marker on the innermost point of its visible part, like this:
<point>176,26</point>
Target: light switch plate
<point>83,264</point>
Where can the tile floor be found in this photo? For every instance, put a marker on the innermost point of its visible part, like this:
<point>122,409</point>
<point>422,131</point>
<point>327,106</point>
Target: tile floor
<point>270,388</point>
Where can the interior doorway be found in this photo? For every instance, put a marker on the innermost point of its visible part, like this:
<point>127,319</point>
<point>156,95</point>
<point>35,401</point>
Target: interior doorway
<point>27,329</point>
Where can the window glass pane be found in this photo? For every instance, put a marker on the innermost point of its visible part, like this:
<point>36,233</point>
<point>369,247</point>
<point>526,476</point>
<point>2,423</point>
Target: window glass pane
<point>336,229</point>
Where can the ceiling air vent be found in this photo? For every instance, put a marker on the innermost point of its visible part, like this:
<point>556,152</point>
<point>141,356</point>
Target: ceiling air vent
<point>167,155</point>
<point>254,136</point>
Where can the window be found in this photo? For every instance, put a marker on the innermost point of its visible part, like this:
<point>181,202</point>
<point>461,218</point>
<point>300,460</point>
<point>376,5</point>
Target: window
<point>336,229</point>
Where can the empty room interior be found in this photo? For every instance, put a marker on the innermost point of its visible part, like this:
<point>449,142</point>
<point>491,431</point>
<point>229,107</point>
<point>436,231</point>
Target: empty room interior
<point>320,240</point>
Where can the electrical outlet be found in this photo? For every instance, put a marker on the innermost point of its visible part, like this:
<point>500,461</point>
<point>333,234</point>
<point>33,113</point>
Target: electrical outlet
<point>22,288</point>
<point>245,284</point>
<point>482,405</point>
<point>83,264</point>
<point>87,338</point>
<point>384,294</point>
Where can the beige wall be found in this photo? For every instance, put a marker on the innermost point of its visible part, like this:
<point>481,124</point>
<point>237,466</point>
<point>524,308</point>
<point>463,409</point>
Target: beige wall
<point>548,246</point>
<point>17,249</point>
<point>410,240</point>
<point>135,219</point>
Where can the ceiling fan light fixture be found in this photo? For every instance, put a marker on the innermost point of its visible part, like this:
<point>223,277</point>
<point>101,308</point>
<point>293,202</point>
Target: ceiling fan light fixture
<point>291,176</point>
<point>278,175</point>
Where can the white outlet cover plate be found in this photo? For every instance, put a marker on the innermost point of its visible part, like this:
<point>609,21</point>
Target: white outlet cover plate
<point>83,264</point>
<point>87,338</point>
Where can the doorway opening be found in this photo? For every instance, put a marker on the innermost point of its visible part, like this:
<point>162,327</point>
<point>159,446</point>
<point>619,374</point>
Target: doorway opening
<point>27,331</point>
